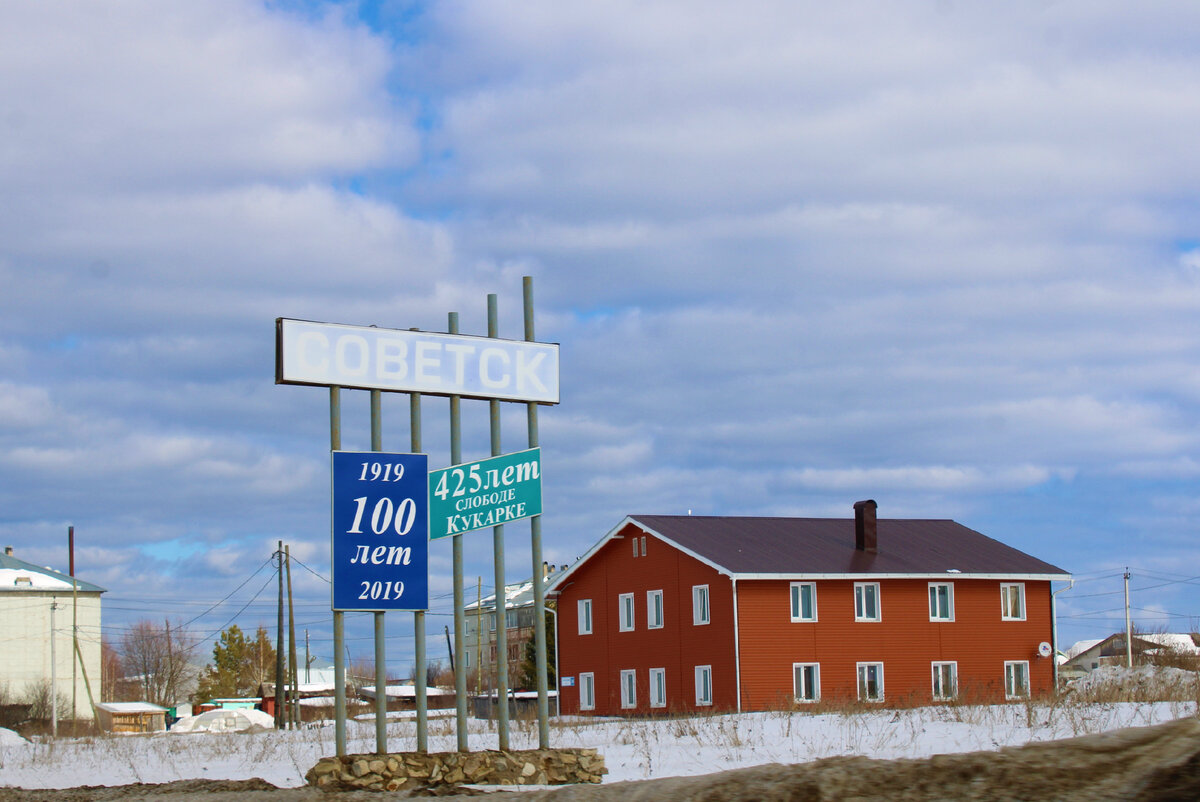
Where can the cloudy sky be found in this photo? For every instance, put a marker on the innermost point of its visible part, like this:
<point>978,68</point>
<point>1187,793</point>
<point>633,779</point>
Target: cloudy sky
<point>945,255</point>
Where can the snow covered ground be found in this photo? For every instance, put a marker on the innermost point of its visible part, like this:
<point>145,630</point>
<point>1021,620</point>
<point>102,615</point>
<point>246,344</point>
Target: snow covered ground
<point>633,749</point>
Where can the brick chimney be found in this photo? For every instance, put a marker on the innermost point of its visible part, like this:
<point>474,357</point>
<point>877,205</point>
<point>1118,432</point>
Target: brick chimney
<point>865,538</point>
<point>8,551</point>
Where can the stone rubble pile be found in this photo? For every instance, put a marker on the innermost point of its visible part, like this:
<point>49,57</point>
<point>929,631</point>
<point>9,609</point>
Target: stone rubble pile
<point>407,770</point>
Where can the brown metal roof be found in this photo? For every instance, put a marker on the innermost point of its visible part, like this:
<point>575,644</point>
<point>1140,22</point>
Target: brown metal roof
<point>795,546</point>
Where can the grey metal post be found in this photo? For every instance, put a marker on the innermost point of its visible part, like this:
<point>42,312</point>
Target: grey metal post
<point>380,640</point>
<point>535,531</point>
<point>460,674</point>
<point>339,621</point>
<point>414,416</point>
<point>498,558</point>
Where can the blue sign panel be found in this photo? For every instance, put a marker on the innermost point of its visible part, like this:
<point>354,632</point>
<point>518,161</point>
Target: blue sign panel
<point>380,531</point>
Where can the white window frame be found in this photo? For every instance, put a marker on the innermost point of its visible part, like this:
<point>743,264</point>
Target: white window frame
<point>628,689</point>
<point>804,694</point>
<point>626,613</point>
<point>1011,668</point>
<point>797,601</point>
<point>701,605</point>
<point>1006,597</point>
<point>658,687</point>
<point>654,609</point>
<point>635,548</point>
<point>862,674</point>
<point>643,545</point>
<point>587,691</point>
<point>860,602</point>
<point>939,691</point>
<point>584,612</point>
<point>935,611</point>
<point>704,691</point>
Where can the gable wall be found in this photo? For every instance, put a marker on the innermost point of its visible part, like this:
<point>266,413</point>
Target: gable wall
<point>678,647</point>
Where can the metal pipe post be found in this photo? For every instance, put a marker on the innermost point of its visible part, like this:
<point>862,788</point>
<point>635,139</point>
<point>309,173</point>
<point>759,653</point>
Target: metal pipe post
<point>339,621</point>
<point>460,674</point>
<point>421,680</point>
<point>498,559</point>
<point>535,532</point>
<point>380,638</point>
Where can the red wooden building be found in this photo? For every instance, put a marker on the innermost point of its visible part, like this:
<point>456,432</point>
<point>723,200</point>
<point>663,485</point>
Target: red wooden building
<point>692,613</point>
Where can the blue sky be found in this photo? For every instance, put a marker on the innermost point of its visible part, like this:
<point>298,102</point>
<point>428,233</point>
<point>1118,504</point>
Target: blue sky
<point>796,254</point>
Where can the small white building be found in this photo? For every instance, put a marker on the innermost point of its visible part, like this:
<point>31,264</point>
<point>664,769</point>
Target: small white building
<point>43,613</point>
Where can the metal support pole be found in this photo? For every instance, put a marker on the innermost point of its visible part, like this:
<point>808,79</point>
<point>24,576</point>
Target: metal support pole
<point>380,639</point>
<point>460,674</point>
<point>339,621</point>
<point>498,558</point>
<point>535,531</point>
<point>421,680</point>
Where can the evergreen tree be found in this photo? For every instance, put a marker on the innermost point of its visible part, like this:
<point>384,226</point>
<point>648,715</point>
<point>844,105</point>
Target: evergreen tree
<point>238,666</point>
<point>527,678</point>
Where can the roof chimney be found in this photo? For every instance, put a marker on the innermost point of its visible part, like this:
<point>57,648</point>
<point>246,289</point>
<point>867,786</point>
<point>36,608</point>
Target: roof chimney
<point>865,538</point>
<point>8,551</point>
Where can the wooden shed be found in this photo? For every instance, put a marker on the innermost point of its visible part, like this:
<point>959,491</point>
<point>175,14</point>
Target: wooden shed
<point>125,717</point>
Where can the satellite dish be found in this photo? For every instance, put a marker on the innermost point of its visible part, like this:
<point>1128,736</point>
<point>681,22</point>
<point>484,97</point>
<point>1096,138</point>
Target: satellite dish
<point>1044,649</point>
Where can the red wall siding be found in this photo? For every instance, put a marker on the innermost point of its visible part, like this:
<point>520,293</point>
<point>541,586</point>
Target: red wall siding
<point>905,640</point>
<point>679,646</point>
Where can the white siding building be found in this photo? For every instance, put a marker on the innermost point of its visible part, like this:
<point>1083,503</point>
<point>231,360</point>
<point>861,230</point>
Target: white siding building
<point>37,609</point>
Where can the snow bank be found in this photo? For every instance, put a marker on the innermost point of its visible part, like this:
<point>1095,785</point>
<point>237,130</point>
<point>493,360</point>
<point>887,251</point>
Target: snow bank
<point>1139,682</point>
<point>226,721</point>
<point>10,738</point>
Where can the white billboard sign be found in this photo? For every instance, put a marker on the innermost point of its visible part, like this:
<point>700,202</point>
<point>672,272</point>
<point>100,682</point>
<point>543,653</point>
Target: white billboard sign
<point>397,360</point>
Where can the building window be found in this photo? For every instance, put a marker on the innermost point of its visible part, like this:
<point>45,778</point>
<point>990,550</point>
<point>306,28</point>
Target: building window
<point>587,691</point>
<point>643,545</point>
<point>700,604</point>
<point>703,685</point>
<point>635,547</point>
<point>658,687</point>
<point>628,689</point>
<point>1016,679</point>
<point>654,609</point>
<point>945,681</point>
<point>1012,601</point>
<point>804,601</point>
<point>585,616</point>
<point>870,682</point>
<point>625,612</point>
<point>941,601</point>
<point>866,601</point>
<point>806,681</point>
<point>467,658</point>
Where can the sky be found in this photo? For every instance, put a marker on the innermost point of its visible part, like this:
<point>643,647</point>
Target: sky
<point>943,255</point>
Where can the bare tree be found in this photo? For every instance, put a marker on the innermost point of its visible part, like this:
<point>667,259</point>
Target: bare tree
<point>111,670</point>
<point>159,657</point>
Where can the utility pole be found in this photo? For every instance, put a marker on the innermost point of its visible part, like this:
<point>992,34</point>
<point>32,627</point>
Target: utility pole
<point>294,696</point>
<point>1128,625</point>
<point>53,672</point>
<point>280,673</point>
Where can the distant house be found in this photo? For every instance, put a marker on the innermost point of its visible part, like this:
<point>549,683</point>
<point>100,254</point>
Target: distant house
<point>38,609</point>
<point>480,633</point>
<point>690,613</point>
<point>1088,655</point>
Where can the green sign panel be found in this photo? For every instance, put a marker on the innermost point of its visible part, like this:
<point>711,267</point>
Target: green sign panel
<point>476,495</point>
